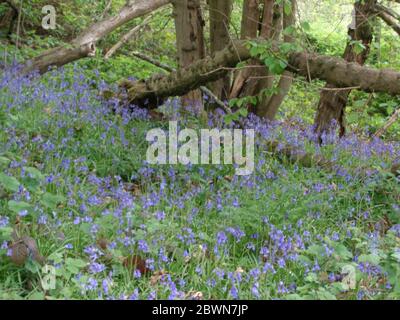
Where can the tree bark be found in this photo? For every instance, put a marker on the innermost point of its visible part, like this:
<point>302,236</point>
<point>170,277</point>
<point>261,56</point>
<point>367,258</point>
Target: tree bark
<point>249,30</point>
<point>332,103</point>
<point>165,67</point>
<point>271,109</point>
<point>337,71</point>
<point>268,106</point>
<point>252,81</point>
<point>189,41</point>
<point>10,17</point>
<point>220,15</point>
<point>85,44</point>
<point>259,78</point>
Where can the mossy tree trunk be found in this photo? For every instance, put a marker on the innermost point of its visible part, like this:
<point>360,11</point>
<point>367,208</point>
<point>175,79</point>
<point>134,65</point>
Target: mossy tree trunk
<point>336,71</point>
<point>332,103</point>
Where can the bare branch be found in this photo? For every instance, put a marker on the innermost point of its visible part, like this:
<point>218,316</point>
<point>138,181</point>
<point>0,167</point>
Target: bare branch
<point>106,10</point>
<point>393,118</point>
<point>85,44</point>
<point>385,15</point>
<point>127,37</point>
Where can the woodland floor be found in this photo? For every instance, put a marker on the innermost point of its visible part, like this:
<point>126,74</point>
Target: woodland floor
<point>74,179</point>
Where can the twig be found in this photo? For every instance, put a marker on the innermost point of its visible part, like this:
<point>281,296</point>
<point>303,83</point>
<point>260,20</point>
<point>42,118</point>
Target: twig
<point>395,115</point>
<point>152,61</point>
<point>106,9</point>
<point>18,26</point>
<point>127,37</point>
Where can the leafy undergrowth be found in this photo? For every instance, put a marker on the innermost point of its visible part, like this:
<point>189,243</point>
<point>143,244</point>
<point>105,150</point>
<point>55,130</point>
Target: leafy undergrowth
<point>76,194</point>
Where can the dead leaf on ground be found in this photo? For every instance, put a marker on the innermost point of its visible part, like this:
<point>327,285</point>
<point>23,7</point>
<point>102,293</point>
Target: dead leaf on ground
<point>136,263</point>
<point>195,295</point>
<point>22,249</point>
<point>157,276</point>
<point>133,187</point>
<point>155,115</point>
<point>102,243</point>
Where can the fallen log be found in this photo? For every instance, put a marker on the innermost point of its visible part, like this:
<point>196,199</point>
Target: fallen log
<point>165,67</point>
<point>309,65</point>
<point>153,91</point>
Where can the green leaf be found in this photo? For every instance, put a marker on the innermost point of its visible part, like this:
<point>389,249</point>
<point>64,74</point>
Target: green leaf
<point>396,255</point>
<point>33,179</point>
<point>289,30</point>
<point>287,8</point>
<point>305,26</point>
<point>324,294</point>
<point>304,259</point>
<point>34,173</point>
<point>312,277</point>
<point>36,296</point>
<point>56,257</point>
<point>371,258</point>
<point>4,162</point>
<point>343,252</point>
<point>51,201</point>
<point>228,119</point>
<point>317,250</point>
<point>6,232</point>
<point>18,206</point>
<point>243,112</point>
<point>9,183</point>
<point>74,265</point>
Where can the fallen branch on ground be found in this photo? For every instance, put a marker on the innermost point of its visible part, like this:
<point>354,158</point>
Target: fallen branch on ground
<point>309,65</point>
<point>388,124</point>
<point>165,67</point>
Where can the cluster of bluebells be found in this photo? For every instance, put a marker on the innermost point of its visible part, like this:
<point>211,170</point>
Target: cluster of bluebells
<point>166,222</point>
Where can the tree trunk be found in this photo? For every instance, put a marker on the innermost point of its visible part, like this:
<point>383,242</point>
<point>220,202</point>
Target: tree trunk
<point>252,81</point>
<point>85,44</point>
<point>271,108</point>
<point>336,71</point>
<point>189,25</point>
<point>7,22</point>
<point>220,15</point>
<point>249,30</point>
<point>268,106</point>
<point>10,17</point>
<point>259,78</point>
<point>332,103</point>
